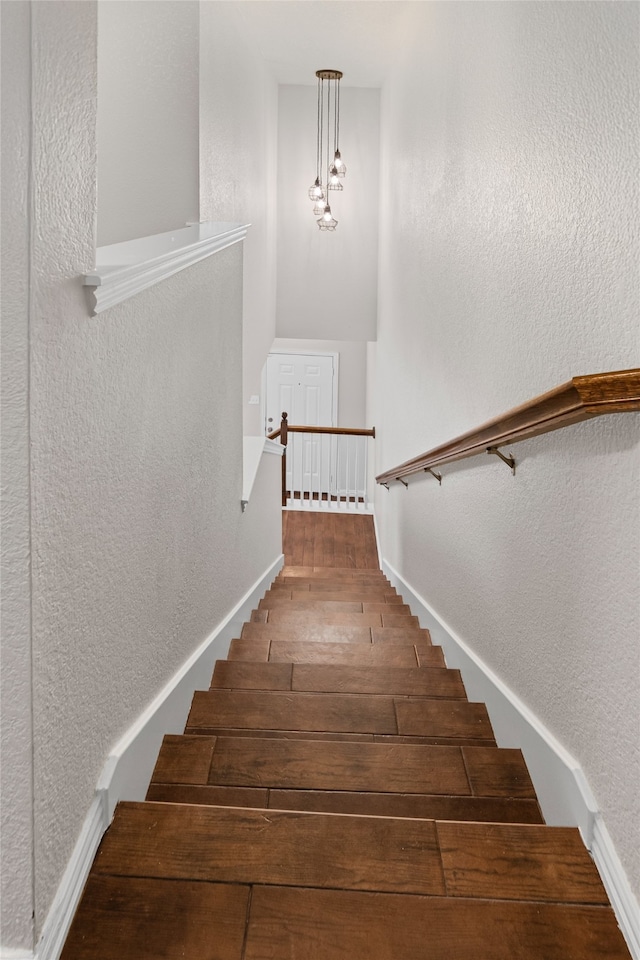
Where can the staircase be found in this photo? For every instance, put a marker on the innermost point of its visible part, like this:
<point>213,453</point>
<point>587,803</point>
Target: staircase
<point>335,796</point>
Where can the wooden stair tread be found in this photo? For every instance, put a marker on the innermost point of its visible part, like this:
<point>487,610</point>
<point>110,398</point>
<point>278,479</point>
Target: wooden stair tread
<point>341,925</point>
<point>314,586</point>
<point>307,633</point>
<point>363,679</point>
<point>511,861</point>
<point>145,919</point>
<point>337,574</point>
<point>323,606</point>
<point>399,655</point>
<point>332,573</point>
<point>295,617</point>
<point>368,595</point>
<point>399,634</point>
<point>250,675</point>
<point>330,590</point>
<point>242,845</point>
<point>339,712</point>
<point>385,854</point>
<point>318,631</point>
<point>300,764</point>
<point>156,919</point>
<point>290,712</point>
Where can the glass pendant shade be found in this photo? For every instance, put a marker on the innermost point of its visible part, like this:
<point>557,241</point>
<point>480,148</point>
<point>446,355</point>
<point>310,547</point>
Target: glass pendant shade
<point>339,164</point>
<point>316,191</point>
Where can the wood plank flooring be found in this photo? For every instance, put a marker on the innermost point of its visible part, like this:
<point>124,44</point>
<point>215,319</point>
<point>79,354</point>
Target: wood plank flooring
<point>328,540</point>
<point>336,796</point>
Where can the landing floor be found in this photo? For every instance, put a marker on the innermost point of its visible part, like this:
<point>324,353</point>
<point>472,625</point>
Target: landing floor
<point>329,540</point>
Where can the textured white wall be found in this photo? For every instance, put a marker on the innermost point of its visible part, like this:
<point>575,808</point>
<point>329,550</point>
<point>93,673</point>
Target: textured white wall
<point>139,546</point>
<point>509,263</point>
<point>327,282</point>
<point>147,118</point>
<point>352,374</point>
<point>16,828</point>
<point>238,129</point>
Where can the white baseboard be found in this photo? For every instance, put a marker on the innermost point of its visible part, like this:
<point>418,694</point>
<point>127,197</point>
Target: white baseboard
<point>561,786</point>
<point>128,769</point>
<point>73,880</point>
<point>617,886</point>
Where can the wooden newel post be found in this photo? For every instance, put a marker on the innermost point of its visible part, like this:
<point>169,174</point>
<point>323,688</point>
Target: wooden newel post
<point>283,440</point>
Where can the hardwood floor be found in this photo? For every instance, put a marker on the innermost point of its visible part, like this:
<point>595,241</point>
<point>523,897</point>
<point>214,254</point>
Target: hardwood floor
<point>336,796</point>
<point>329,540</point>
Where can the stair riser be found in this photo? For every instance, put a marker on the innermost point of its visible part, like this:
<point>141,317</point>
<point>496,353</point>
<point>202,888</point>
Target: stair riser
<point>414,806</point>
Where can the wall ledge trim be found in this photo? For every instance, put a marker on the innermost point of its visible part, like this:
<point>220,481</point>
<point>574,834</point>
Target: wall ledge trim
<point>252,450</point>
<point>128,768</point>
<point>563,791</point>
<point>124,269</point>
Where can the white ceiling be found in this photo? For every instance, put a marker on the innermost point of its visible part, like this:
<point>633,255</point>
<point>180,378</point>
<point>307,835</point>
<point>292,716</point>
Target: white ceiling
<point>297,37</point>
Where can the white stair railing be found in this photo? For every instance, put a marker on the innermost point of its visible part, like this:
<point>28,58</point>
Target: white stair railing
<point>325,468</point>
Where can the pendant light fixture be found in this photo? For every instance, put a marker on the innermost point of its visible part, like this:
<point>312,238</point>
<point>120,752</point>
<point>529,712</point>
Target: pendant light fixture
<point>328,130</point>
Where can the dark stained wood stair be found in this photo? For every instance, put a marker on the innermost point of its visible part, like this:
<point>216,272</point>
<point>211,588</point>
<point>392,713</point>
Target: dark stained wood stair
<point>336,796</point>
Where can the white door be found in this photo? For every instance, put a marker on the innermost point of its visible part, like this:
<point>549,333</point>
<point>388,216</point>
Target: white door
<point>302,386</point>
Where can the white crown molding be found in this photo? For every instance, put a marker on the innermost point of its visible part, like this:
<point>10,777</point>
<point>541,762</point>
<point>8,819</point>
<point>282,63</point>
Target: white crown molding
<point>125,269</point>
<point>562,788</point>
<point>274,447</point>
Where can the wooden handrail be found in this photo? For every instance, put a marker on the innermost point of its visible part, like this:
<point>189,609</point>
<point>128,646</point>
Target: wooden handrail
<point>579,399</point>
<point>336,431</point>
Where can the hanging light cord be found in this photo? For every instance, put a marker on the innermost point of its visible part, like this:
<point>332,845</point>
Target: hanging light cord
<point>328,128</point>
<point>319,138</point>
<point>336,119</point>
